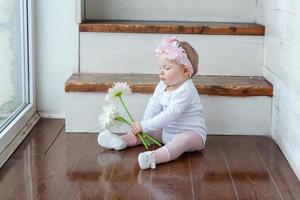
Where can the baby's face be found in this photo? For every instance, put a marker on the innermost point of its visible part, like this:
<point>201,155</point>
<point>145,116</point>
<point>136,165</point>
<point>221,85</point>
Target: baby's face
<point>171,73</point>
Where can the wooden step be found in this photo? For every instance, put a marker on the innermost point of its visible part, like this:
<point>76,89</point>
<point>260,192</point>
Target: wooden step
<point>164,27</point>
<point>145,83</point>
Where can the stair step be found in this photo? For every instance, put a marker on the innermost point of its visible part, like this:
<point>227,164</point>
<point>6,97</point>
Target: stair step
<point>166,27</point>
<point>145,83</point>
<point>219,55</point>
<point>173,10</point>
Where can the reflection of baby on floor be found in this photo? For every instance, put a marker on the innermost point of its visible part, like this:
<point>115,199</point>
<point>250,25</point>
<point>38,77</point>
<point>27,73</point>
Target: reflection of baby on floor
<point>123,170</point>
<point>165,184</point>
<point>130,182</point>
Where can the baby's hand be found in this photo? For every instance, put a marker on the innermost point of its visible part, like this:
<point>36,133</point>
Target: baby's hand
<point>136,128</point>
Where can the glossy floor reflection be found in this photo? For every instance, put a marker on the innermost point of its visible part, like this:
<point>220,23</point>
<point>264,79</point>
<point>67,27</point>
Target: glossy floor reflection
<point>50,164</point>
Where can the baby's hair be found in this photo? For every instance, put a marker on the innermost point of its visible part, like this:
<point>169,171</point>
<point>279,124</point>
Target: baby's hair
<point>191,54</point>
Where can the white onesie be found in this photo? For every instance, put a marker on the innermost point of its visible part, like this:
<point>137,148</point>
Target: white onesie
<point>175,111</point>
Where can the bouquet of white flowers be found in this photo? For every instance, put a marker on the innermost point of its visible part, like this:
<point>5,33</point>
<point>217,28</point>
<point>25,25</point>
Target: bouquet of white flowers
<point>111,115</point>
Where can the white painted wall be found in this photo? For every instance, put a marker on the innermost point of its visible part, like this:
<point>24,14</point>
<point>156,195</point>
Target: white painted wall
<point>282,68</point>
<point>56,53</point>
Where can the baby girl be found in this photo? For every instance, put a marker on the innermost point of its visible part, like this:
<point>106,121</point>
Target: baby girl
<point>174,114</point>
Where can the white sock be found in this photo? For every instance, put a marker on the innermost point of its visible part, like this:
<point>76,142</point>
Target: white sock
<point>147,160</point>
<point>109,140</point>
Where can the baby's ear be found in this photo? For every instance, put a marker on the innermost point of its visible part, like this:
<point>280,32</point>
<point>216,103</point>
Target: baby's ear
<point>185,71</point>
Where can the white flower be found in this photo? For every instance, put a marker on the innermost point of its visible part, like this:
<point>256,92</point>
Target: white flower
<point>107,118</point>
<point>117,90</point>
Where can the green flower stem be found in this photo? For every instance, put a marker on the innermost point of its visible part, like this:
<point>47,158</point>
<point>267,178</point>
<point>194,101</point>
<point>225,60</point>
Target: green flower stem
<point>121,119</point>
<point>145,139</point>
<point>140,135</point>
<point>152,139</point>
<point>144,134</point>
<point>126,108</point>
<point>144,143</point>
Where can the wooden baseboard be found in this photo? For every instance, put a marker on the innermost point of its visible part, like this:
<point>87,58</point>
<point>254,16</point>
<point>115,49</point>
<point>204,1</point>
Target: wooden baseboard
<point>58,115</point>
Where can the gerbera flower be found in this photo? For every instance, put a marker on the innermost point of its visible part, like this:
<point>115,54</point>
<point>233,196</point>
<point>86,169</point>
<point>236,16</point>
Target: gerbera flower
<point>108,118</point>
<point>119,89</point>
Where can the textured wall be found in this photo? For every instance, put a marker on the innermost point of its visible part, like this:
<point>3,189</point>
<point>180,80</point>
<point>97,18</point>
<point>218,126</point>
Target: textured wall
<point>282,68</point>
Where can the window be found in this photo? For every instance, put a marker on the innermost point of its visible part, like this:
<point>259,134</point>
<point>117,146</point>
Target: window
<point>17,103</point>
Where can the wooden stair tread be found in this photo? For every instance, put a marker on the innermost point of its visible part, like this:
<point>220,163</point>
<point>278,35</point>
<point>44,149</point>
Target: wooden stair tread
<point>145,83</point>
<point>206,28</point>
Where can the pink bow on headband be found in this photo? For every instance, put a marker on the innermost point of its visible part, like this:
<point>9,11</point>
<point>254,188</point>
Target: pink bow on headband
<point>169,46</point>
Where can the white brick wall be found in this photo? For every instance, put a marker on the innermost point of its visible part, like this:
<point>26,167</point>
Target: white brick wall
<point>282,68</point>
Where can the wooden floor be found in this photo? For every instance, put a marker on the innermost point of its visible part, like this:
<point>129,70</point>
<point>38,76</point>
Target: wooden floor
<point>51,164</point>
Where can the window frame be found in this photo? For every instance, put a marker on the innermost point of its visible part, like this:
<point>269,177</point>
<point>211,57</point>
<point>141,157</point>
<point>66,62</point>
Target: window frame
<point>18,127</point>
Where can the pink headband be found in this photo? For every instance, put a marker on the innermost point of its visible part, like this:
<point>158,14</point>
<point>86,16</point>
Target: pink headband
<point>169,46</point>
